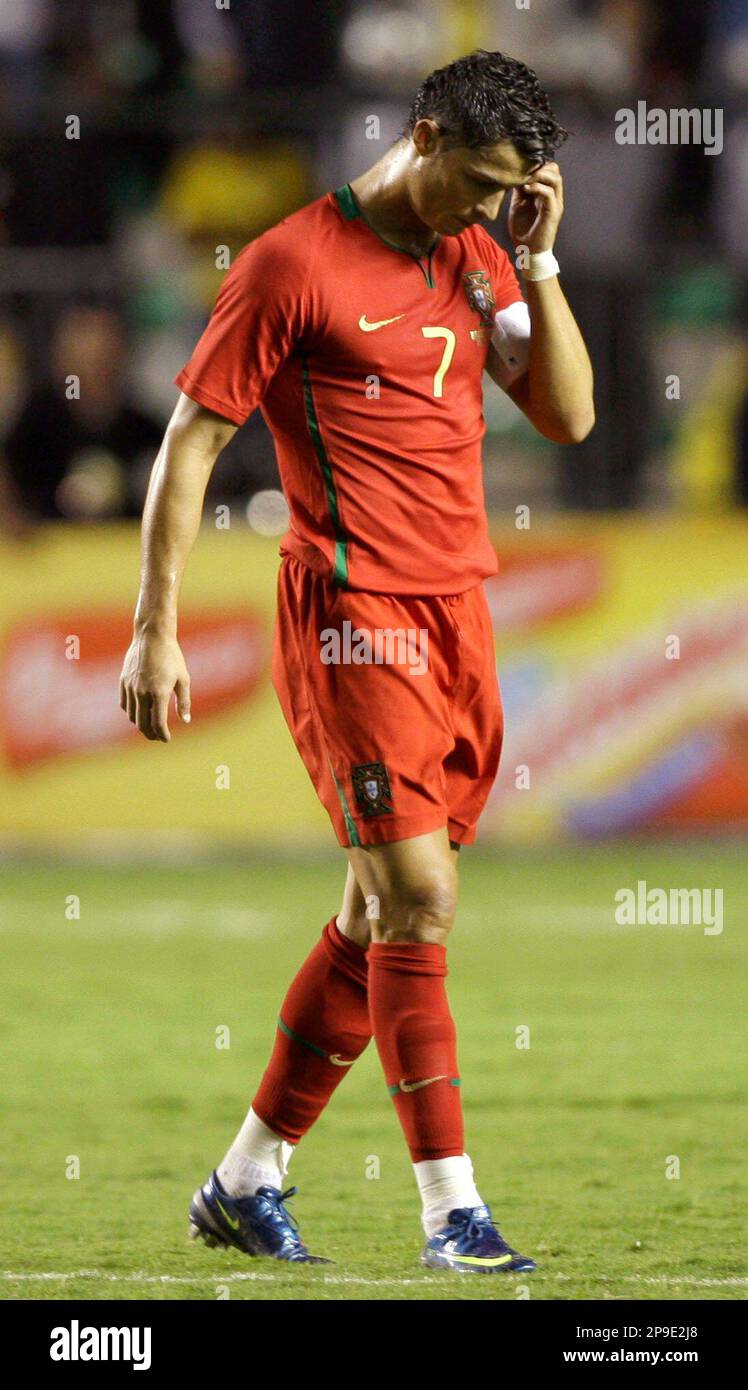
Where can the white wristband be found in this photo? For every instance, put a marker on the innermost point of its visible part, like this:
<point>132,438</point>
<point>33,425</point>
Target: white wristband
<point>542,266</point>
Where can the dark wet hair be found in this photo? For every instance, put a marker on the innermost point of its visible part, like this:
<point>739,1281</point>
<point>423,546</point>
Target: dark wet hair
<point>486,97</point>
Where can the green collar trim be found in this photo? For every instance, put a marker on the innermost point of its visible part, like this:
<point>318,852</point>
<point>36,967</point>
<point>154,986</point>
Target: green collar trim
<point>346,202</point>
<point>345,198</point>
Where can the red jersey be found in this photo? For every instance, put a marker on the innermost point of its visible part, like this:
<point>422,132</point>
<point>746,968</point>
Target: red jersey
<point>367,364</point>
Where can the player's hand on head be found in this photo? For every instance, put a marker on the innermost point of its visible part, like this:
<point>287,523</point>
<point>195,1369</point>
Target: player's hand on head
<point>536,208</point>
<point>153,671</point>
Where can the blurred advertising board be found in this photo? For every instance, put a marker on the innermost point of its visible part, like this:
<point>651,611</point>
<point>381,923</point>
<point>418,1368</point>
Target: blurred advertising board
<point>622,648</point>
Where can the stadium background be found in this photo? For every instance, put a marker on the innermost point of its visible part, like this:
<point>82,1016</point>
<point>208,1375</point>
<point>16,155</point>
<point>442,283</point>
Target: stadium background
<point>199,127</point>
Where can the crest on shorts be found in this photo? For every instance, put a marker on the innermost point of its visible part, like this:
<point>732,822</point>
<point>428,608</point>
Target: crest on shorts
<point>480,295</point>
<point>372,788</point>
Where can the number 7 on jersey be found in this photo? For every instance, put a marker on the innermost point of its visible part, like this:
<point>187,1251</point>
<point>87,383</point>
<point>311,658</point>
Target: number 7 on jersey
<point>447,355</point>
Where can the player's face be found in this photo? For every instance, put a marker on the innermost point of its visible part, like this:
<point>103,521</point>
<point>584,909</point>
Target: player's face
<point>455,187</point>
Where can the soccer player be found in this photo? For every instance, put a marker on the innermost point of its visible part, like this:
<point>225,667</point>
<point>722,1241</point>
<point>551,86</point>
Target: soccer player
<point>362,325</point>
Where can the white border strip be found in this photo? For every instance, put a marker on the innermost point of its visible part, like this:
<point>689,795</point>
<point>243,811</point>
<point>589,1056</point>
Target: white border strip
<point>669,1281</point>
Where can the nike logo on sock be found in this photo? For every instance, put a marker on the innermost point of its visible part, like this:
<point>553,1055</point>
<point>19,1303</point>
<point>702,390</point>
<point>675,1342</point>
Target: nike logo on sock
<point>417,1085</point>
<point>339,1061</point>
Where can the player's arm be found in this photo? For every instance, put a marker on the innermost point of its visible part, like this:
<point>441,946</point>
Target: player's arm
<point>154,668</point>
<point>555,391</point>
<point>259,314</point>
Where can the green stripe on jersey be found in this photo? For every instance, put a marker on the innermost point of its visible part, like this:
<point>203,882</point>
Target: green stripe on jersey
<point>340,568</point>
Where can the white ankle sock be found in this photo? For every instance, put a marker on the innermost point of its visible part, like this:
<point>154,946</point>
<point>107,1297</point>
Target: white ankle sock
<point>256,1157</point>
<point>445,1183</point>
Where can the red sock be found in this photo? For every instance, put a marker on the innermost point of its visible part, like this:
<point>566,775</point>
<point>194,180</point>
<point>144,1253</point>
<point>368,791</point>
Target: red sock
<point>323,1025</point>
<point>416,1040</point>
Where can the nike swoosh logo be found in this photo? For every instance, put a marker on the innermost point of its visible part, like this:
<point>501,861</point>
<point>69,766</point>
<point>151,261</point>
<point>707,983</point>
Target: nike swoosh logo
<point>339,1061</point>
<point>367,327</point>
<point>233,1223</point>
<point>481,1261</point>
<point>417,1085</point>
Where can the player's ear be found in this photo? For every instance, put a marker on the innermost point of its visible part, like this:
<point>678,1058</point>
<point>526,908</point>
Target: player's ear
<point>426,136</point>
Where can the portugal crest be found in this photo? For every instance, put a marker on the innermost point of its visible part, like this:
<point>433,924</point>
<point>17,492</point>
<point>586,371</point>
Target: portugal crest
<point>372,788</point>
<point>480,296</point>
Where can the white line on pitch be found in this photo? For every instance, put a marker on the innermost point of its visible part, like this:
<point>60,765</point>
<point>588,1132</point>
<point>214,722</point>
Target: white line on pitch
<point>690,1280</point>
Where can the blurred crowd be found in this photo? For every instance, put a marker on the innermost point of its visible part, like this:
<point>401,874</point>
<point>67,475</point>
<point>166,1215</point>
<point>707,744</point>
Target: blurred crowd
<point>203,122</point>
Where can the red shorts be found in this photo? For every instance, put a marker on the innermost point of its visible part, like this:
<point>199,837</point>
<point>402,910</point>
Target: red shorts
<point>393,703</point>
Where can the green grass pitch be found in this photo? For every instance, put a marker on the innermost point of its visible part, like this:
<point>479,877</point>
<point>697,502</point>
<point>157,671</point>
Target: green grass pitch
<point>109,1038</point>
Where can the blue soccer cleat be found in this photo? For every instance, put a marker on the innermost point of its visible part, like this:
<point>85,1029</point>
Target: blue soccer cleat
<point>258,1225</point>
<point>470,1243</point>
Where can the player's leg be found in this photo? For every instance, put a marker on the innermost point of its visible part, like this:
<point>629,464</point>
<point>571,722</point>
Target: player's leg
<point>411,887</point>
<point>411,890</point>
<point>323,1023</point>
<point>356,914</point>
<point>323,1026</point>
<point>354,919</point>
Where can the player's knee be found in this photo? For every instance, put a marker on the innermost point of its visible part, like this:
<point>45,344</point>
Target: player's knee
<point>356,926</point>
<point>355,917</point>
<point>421,910</point>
